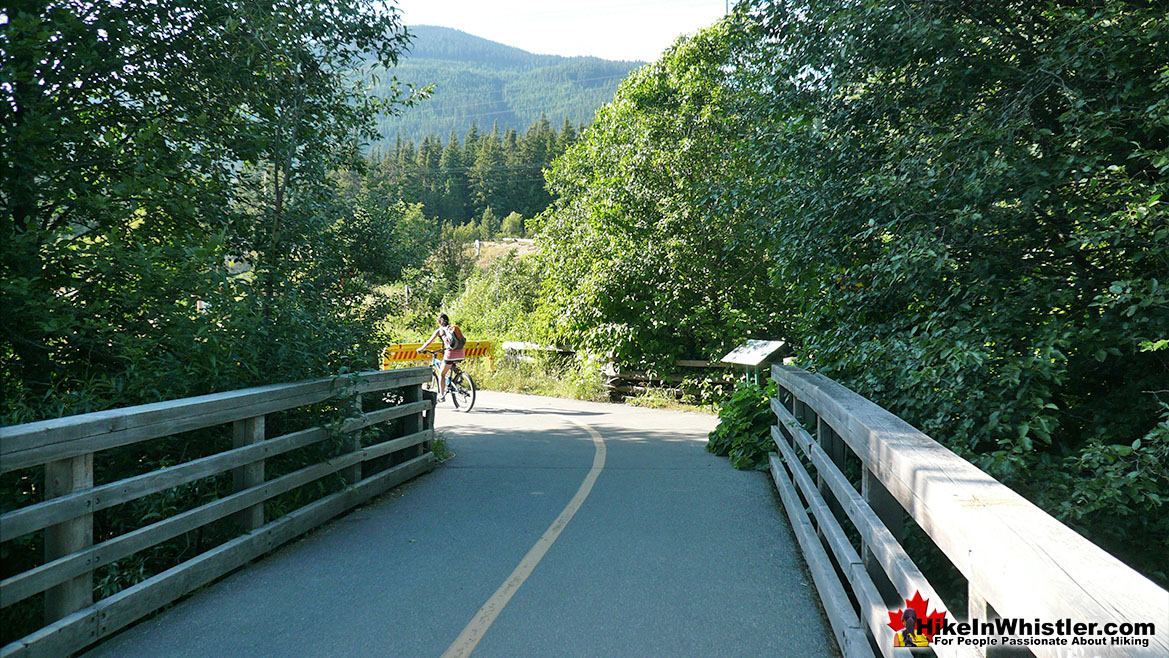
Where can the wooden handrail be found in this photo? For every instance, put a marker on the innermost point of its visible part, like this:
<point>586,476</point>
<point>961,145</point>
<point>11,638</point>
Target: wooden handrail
<point>1017,559</point>
<point>66,448</point>
<point>37,443</point>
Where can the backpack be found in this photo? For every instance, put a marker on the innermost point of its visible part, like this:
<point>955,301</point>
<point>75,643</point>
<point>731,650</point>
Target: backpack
<point>458,341</point>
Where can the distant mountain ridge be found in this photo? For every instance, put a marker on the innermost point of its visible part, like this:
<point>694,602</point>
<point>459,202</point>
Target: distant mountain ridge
<point>481,81</point>
<point>449,44</point>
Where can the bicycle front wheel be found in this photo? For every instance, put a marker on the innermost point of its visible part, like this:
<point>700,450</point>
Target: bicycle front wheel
<point>462,392</point>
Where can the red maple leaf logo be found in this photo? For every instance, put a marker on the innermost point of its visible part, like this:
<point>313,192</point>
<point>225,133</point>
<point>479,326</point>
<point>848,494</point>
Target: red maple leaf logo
<point>931,623</point>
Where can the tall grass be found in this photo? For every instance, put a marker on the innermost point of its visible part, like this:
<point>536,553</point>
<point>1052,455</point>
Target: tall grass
<point>562,377</point>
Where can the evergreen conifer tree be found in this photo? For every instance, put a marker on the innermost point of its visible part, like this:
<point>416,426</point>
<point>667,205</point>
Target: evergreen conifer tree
<point>471,144</point>
<point>486,185</point>
<point>567,138</point>
<point>454,176</point>
<point>488,225</point>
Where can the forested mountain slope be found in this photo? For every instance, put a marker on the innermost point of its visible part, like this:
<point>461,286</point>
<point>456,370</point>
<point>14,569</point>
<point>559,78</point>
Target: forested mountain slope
<point>487,82</point>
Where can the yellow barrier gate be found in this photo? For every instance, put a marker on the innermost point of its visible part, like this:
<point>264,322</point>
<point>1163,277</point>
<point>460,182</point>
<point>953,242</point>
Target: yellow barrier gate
<point>408,352</point>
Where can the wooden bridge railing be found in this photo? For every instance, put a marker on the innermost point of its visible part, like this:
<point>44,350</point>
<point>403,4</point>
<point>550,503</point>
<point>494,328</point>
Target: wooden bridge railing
<point>1018,561</point>
<point>66,447</point>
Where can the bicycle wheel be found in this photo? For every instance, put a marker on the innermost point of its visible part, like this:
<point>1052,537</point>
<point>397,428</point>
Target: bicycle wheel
<point>462,391</point>
<point>433,386</point>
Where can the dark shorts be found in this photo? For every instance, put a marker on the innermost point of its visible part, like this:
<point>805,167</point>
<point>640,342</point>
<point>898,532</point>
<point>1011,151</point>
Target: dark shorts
<point>452,360</point>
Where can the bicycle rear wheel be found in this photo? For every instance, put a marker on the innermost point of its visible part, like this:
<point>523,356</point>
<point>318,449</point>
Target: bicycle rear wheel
<point>431,385</point>
<point>462,391</point>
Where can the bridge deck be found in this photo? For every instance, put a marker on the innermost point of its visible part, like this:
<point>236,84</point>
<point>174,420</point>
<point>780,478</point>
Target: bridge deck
<point>671,553</point>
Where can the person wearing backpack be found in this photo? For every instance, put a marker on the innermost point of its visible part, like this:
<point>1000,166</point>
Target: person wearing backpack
<point>453,342</point>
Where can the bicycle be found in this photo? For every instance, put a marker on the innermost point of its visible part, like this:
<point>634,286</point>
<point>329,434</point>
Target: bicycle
<point>460,387</point>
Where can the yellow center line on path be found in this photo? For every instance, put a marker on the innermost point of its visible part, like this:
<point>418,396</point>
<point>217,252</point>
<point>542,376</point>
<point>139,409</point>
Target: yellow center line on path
<point>469,638</point>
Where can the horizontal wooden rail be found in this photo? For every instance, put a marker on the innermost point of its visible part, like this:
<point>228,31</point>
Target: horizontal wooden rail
<point>1018,560</point>
<point>37,443</point>
<point>875,535</point>
<point>121,609</point>
<point>67,444</point>
<point>850,636</point>
<point>56,510</point>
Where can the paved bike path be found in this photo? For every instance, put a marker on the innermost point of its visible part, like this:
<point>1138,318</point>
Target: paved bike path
<point>671,553</point>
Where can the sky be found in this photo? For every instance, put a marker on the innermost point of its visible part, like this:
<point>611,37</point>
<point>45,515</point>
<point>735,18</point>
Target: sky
<point>609,29</point>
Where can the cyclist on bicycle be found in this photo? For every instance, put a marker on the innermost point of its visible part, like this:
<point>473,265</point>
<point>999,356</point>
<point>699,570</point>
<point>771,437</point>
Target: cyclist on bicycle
<point>453,352</point>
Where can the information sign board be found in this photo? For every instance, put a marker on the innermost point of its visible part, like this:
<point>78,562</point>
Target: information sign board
<point>755,352</point>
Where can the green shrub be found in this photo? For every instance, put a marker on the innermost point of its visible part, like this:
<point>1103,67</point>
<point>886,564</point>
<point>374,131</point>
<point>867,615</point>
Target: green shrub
<point>705,391</point>
<point>499,301</point>
<point>744,427</point>
<point>1119,493</point>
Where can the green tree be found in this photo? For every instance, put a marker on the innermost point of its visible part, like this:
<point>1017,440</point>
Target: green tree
<point>406,177</point>
<point>956,210</point>
<point>486,178</point>
<point>568,135</point>
<point>503,172</point>
<point>72,166</point>
<point>172,222</point>
<point>638,265</point>
<point>164,141</point>
<point>501,300</point>
<point>471,143</point>
<point>453,205</point>
<point>380,239</point>
<point>488,227</point>
<point>513,225</point>
<point>536,152</point>
<point>976,194</point>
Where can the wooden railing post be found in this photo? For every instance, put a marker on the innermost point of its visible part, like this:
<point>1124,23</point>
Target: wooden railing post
<point>889,511</point>
<point>352,475</point>
<point>244,433</point>
<point>823,437</point>
<point>832,444</point>
<point>63,477</point>
<point>413,422</point>
<point>428,415</point>
<point>786,400</point>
